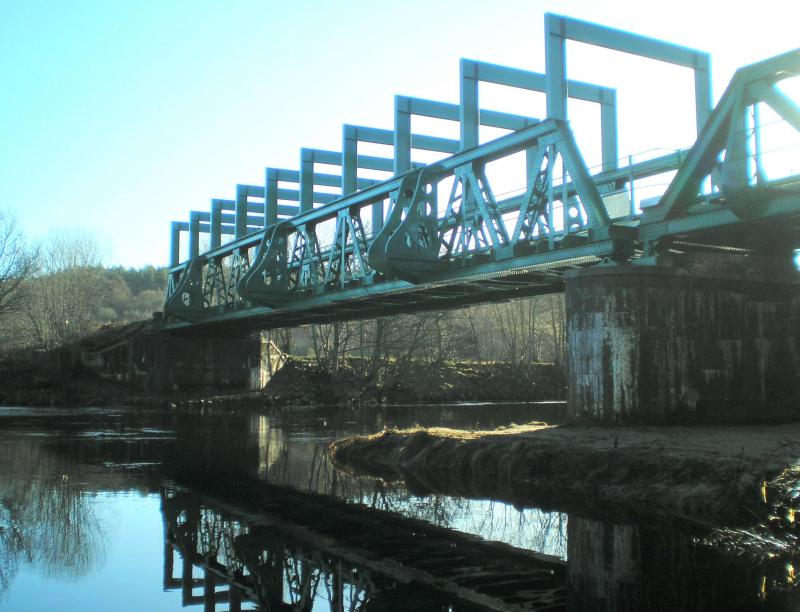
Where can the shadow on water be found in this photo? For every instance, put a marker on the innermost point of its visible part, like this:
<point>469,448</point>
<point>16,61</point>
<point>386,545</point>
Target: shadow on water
<point>257,516</point>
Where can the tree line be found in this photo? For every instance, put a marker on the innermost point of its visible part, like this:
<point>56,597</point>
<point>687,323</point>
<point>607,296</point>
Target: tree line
<point>521,332</point>
<point>55,293</point>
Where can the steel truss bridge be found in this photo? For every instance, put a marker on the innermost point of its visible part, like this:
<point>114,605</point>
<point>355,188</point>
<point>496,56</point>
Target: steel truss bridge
<point>447,234</point>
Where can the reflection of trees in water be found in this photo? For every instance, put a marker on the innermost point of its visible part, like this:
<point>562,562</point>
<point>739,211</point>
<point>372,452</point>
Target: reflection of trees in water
<point>11,549</point>
<point>46,518</point>
<point>307,465</point>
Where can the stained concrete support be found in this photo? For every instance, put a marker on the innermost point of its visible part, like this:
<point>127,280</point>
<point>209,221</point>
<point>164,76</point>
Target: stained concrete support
<point>702,338</point>
<point>185,363</point>
<point>139,353</point>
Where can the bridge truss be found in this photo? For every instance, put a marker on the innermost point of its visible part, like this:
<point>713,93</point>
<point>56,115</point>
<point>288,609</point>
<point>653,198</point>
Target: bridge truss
<point>450,233</point>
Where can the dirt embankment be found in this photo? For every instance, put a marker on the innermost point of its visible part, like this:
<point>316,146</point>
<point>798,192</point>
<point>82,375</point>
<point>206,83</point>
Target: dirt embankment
<point>301,381</point>
<point>703,475</point>
<point>24,384</point>
<point>55,378</point>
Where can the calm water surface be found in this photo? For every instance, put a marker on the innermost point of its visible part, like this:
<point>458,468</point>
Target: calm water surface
<point>135,509</point>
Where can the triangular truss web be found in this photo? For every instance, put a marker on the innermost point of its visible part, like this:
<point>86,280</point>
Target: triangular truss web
<point>292,261</point>
<point>552,207</point>
<point>347,260</point>
<point>725,167</point>
<point>560,208</point>
<point>472,223</point>
<point>305,266</point>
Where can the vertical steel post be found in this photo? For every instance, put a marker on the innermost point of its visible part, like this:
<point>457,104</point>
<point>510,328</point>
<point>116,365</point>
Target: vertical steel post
<point>216,224</point>
<point>241,211</point>
<point>306,180</point>
<point>377,217</point>
<point>270,197</point>
<point>469,114</point>
<point>402,150</point>
<point>759,167</point>
<point>702,89</point>
<point>530,158</point>
<point>608,129</point>
<point>630,185</point>
<point>402,135</point>
<point>555,46</point>
<point>194,235</point>
<point>175,244</point>
<point>349,159</point>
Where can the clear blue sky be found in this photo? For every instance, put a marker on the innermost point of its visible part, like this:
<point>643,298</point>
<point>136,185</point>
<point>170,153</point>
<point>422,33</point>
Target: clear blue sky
<point>117,117</point>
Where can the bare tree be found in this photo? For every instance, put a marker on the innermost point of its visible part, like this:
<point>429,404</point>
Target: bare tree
<point>282,337</point>
<point>65,297</point>
<point>556,334</point>
<point>17,264</point>
<point>515,323</point>
<point>330,343</point>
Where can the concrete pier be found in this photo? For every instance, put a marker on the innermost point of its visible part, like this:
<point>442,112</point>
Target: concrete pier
<point>183,363</point>
<point>164,362</point>
<point>696,338</point>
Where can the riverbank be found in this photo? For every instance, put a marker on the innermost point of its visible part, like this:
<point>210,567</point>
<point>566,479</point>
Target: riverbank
<point>301,381</point>
<point>53,379</point>
<point>36,385</point>
<point>731,475</point>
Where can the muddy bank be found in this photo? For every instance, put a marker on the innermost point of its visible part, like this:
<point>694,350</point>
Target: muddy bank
<point>732,475</point>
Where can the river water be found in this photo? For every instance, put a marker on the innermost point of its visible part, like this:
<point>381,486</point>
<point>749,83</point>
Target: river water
<point>145,509</point>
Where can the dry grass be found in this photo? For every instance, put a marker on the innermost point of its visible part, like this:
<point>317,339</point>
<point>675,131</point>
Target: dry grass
<point>458,434</point>
<point>710,475</point>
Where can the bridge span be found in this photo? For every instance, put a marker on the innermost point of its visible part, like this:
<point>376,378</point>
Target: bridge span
<point>695,281</point>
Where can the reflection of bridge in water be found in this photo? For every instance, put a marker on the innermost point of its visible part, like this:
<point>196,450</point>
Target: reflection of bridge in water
<point>280,549</point>
<point>348,558</point>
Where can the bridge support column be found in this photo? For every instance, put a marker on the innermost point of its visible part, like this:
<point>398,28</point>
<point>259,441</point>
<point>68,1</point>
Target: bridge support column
<point>186,363</point>
<point>708,338</point>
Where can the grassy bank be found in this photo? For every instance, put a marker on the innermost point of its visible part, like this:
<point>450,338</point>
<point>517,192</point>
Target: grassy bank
<point>734,475</point>
<point>302,381</point>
